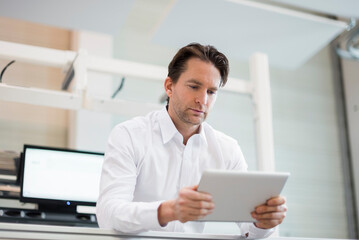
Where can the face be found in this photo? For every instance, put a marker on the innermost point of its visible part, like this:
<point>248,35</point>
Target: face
<point>194,94</point>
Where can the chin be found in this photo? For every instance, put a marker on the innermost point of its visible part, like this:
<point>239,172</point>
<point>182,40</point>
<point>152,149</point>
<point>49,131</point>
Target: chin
<point>197,122</point>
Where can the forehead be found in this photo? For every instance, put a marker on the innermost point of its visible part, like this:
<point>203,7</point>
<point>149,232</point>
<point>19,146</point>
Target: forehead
<point>202,71</point>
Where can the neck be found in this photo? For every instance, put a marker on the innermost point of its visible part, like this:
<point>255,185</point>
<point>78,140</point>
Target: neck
<point>185,129</point>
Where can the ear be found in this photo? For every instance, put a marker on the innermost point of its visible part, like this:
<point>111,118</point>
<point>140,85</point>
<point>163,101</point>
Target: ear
<point>168,86</point>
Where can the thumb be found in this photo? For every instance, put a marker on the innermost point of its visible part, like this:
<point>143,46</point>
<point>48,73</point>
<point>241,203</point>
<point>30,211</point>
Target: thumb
<point>194,187</point>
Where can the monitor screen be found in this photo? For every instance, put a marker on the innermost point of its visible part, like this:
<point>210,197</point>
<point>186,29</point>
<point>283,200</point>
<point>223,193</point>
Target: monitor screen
<point>60,175</point>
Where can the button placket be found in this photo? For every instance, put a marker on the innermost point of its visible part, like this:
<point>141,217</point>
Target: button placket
<point>187,163</point>
<point>180,148</point>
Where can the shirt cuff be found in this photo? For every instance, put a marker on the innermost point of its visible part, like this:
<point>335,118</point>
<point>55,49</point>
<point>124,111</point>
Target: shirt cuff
<point>250,231</point>
<point>149,217</point>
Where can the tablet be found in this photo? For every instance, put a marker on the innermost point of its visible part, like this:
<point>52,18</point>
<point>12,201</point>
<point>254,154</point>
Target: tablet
<point>236,194</point>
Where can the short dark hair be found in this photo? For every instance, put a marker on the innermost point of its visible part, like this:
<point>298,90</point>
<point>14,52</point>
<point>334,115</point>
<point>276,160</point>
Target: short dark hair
<point>206,53</point>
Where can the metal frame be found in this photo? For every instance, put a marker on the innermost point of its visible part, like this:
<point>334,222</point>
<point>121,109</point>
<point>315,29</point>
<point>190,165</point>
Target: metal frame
<point>258,87</point>
<point>346,156</point>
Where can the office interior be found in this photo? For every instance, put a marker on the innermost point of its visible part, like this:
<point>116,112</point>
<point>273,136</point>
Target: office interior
<point>312,109</point>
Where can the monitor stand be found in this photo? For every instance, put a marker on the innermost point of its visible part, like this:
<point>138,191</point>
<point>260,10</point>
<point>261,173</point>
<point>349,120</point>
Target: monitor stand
<point>54,217</point>
<point>57,208</point>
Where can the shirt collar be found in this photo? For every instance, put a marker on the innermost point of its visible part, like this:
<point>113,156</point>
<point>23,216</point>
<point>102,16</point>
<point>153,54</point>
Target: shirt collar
<point>202,134</point>
<point>169,130</point>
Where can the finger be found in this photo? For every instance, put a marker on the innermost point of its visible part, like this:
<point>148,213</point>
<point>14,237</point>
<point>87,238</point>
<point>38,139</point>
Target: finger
<point>276,201</point>
<point>195,187</point>
<point>265,209</point>
<point>259,206</point>
<point>201,204</point>
<point>194,205</point>
<point>184,202</point>
<point>200,212</point>
<point>194,195</point>
<point>266,224</point>
<point>269,216</point>
<point>194,212</point>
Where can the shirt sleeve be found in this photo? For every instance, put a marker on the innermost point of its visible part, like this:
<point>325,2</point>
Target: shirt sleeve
<point>238,161</point>
<point>115,207</point>
<point>250,231</point>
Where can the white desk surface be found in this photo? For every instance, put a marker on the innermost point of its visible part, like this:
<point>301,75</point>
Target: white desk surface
<point>50,232</point>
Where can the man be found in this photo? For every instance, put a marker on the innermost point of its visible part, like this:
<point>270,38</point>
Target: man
<point>153,163</point>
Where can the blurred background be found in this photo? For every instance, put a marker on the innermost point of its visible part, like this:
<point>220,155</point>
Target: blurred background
<point>312,48</point>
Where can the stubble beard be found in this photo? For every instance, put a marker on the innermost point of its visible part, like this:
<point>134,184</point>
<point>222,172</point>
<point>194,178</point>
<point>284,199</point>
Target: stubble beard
<point>185,116</point>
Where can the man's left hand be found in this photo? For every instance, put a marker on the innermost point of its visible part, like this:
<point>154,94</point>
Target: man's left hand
<point>271,213</point>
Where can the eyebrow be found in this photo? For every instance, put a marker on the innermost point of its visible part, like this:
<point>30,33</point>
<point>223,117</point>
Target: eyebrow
<point>194,81</point>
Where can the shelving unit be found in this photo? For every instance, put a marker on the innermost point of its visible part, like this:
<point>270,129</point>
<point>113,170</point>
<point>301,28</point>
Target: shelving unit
<point>258,87</point>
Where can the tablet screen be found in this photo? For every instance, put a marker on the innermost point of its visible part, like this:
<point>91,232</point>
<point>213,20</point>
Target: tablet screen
<point>236,194</point>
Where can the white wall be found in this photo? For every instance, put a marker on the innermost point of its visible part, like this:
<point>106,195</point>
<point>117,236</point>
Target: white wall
<point>351,88</point>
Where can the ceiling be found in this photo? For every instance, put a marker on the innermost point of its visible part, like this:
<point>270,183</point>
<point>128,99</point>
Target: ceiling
<point>345,9</point>
<point>105,16</point>
<point>236,27</point>
<point>240,28</point>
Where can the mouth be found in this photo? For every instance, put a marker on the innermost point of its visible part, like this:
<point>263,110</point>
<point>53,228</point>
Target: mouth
<point>197,111</point>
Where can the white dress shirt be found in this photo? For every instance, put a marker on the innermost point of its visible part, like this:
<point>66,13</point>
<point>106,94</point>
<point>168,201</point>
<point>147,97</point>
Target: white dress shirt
<point>147,163</point>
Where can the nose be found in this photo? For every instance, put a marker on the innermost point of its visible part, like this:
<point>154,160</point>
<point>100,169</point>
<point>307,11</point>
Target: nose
<point>202,98</point>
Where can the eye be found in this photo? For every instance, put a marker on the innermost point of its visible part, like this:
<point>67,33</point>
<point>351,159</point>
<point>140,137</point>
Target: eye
<point>193,86</point>
<point>210,92</point>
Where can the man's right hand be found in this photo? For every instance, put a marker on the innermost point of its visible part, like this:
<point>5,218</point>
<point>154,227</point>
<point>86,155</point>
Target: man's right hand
<point>190,205</point>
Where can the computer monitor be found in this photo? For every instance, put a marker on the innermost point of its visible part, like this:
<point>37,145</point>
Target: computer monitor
<point>60,179</point>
